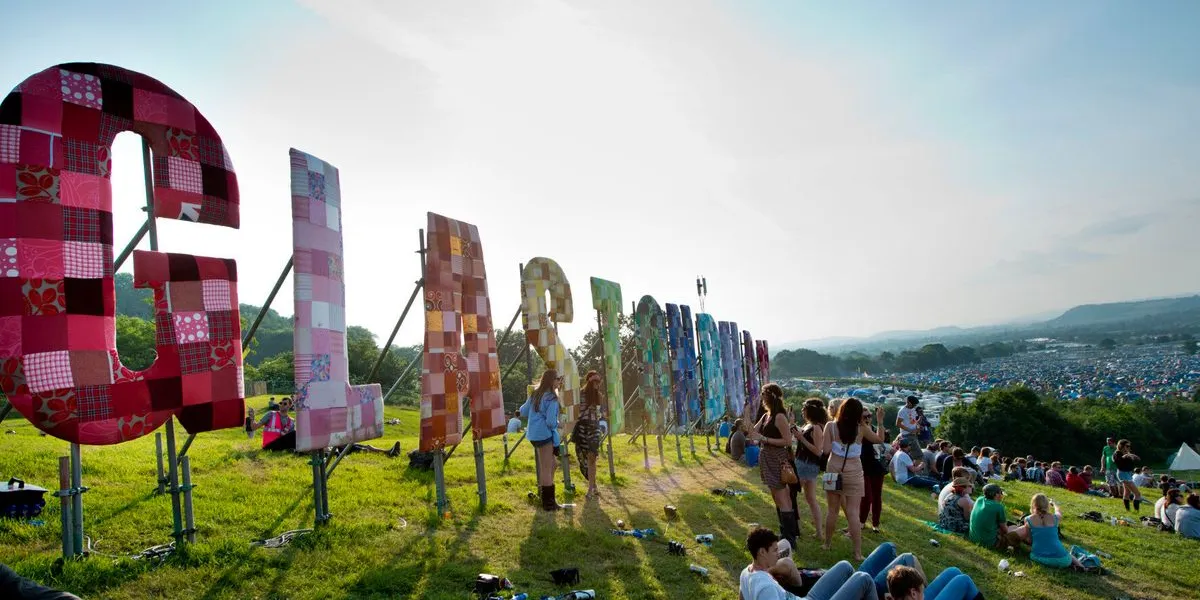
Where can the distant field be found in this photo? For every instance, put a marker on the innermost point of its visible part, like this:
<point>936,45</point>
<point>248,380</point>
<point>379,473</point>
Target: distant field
<point>367,551</point>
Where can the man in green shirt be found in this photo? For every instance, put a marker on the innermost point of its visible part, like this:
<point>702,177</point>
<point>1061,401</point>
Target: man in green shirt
<point>1108,468</point>
<point>989,522</point>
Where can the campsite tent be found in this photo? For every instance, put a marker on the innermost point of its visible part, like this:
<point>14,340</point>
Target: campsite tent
<point>1185,460</point>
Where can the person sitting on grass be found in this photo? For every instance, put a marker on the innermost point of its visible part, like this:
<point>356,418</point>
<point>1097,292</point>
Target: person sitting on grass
<point>905,472</point>
<point>1075,483</point>
<point>737,441</point>
<point>958,459</point>
<point>279,430</point>
<point>758,579</point>
<point>989,521</point>
<point>882,560</point>
<point>1054,476</point>
<point>1187,520</point>
<point>1174,502</point>
<point>1087,475</point>
<point>1143,478</point>
<point>1045,547</point>
<point>905,583</point>
<point>954,508</point>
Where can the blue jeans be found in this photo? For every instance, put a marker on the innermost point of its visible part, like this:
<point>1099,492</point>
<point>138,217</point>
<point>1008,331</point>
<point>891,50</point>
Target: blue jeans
<point>951,584</point>
<point>842,583</point>
<point>881,561</point>
<point>922,482</point>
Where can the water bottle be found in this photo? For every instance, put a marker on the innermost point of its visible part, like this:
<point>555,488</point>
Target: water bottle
<point>1003,564</point>
<point>695,568</point>
<point>521,596</point>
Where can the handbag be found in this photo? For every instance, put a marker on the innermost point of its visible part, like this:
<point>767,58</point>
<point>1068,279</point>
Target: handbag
<point>832,482</point>
<point>787,473</point>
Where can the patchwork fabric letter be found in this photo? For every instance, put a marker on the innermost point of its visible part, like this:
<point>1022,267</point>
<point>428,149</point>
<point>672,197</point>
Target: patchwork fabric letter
<point>764,362</point>
<point>679,365</point>
<point>710,359</point>
<point>691,379</point>
<point>650,325</point>
<point>731,354</point>
<point>542,276</point>
<point>58,358</point>
<point>750,362</point>
<point>458,314</point>
<point>329,411</point>
<point>606,299</point>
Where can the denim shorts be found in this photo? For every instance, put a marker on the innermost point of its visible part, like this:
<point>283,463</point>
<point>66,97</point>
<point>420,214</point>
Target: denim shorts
<point>806,471</point>
<point>1125,475</point>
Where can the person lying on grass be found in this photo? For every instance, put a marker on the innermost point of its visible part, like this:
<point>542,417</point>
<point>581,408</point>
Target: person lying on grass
<point>758,581</point>
<point>905,583</point>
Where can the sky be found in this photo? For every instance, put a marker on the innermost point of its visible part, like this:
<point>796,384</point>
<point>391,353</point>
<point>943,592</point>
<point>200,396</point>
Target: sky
<point>831,168</point>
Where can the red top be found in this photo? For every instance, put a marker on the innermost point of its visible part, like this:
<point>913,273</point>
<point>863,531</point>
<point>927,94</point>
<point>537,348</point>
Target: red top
<point>1075,483</point>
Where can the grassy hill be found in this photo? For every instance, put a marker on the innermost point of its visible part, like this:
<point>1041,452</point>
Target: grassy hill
<point>386,542</point>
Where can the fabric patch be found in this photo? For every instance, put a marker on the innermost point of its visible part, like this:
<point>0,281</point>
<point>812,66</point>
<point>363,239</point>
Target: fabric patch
<point>81,89</point>
<point>216,295</point>
<point>8,258</point>
<point>10,144</point>
<point>84,157</point>
<point>81,225</point>
<point>84,261</point>
<point>37,184</point>
<point>93,403</point>
<point>320,368</point>
<point>46,371</point>
<point>191,327</point>
<point>185,175</point>
<point>44,297</point>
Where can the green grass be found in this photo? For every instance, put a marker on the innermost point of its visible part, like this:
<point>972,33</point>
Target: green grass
<point>242,494</point>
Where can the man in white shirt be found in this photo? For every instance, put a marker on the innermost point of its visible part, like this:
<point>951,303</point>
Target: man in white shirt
<point>904,471</point>
<point>907,420</point>
<point>758,582</point>
<point>1143,478</point>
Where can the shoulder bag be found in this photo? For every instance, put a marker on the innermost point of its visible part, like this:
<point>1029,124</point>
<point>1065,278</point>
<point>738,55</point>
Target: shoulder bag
<point>832,482</point>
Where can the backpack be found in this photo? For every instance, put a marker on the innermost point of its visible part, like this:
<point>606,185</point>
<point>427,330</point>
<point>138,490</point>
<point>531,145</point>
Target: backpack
<point>1089,560</point>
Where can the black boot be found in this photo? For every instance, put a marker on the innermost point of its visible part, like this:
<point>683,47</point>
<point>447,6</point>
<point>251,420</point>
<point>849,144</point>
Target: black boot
<point>1126,501</point>
<point>978,596</point>
<point>548,501</point>
<point>790,526</point>
<point>1137,505</point>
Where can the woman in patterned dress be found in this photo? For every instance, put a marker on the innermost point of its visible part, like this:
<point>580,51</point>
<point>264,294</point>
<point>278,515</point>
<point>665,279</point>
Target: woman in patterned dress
<point>587,431</point>
<point>774,436</point>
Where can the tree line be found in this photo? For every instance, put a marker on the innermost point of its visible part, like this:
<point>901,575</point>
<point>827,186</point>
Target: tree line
<point>803,362</point>
<point>1019,422</point>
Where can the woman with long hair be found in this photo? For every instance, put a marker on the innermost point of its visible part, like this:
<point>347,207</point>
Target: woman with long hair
<point>773,432</point>
<point>541,409</point>
<point>587,431</point>
<point>809,443</point>
<point>873,472</point>
<point>1125,461</point>
<point>1045,547</point>
<point>844,443</point>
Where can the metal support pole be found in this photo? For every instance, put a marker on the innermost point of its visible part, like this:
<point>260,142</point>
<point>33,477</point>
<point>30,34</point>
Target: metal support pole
<point>508,330</point>
<point>137,239</point>
<point>158,453</point>
<point>173,481</point>
<point>387,347</point>
<point>566,464</point>
<point>508,453</point>
<point>337,459</point>
<point>148,179</point>
<point>662,458</point>
<point>4,411</point>
<point>187,443</point>
<point>439,482</point>
<point>529,363</point>
<point>480,475</point>
<point>678,446</point>
<point>325,514</point>
<point>66,508</point>
<point>612,471</point>
<point>403,374</point>
<point>77,498</point>
<point>645,449</point>
<point>262,312</point>
<point>188,516</point>
<point>317,463</point>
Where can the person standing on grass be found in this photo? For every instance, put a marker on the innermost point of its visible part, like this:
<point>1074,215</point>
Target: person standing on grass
<point>1125,461</point>
<point>1045,547</point>
<point>773,432</point>
<point>844,444</point>
<point>809,442</point>
<point>873,472</point>
<point>1109,469</point>
<point>541,410</point>
<point>908,421</point>
<point>587,431</point>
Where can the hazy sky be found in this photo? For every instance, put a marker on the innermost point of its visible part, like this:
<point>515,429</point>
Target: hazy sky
<point>832,168</point>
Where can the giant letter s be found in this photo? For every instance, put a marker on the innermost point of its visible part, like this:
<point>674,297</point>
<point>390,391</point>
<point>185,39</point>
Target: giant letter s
<point>58,359</point>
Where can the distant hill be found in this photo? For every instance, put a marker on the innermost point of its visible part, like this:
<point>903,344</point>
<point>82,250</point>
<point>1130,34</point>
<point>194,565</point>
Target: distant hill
<point>1153,316</point>
<point>1089,315</point>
